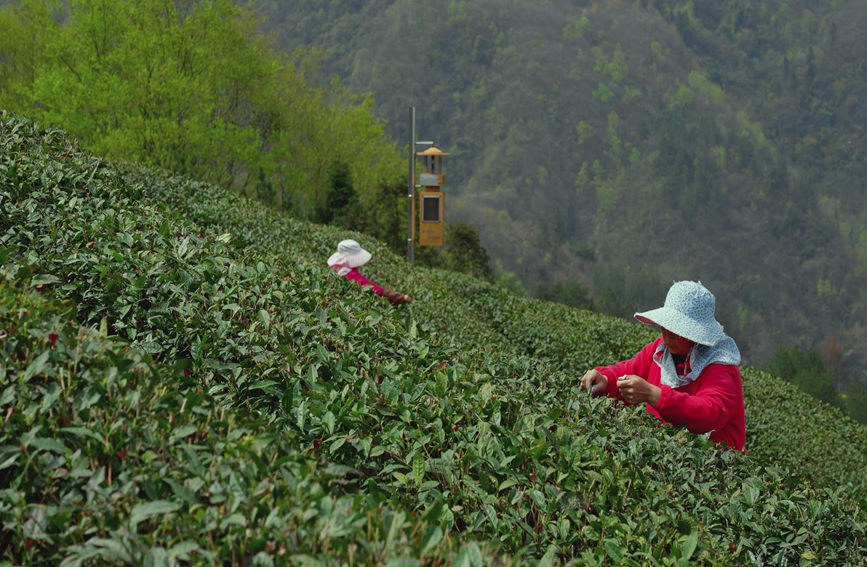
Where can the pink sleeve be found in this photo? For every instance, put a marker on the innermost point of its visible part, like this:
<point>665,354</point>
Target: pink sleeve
<point>707,409</point>
<point>638,365</point>
<point>356,276</point>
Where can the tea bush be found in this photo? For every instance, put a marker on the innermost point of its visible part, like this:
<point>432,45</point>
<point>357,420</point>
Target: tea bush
<point>185,381</point>
<point>108,455</point>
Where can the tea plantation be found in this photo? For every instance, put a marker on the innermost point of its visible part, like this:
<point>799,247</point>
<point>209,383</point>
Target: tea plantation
<point>184,381</point>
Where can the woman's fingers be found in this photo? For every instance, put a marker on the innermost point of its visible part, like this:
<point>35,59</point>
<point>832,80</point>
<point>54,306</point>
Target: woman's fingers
<point>626,385</point>
<point>593,381</point>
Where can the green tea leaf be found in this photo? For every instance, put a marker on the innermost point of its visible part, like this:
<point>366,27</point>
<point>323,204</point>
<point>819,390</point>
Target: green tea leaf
<point>36,367</point>
<point>112,550</point>
<point>181,491</point>
<point>125,239</point>
<point>182,432</point>
<point>148,510</point>
<point>432,537</point>
<point>688,545</point>
<point>418,468</point>
<point>614,550</point>
<point>328,421</point>
<point>337,444</point>
<point>44,279</point>
<point>469,556</point>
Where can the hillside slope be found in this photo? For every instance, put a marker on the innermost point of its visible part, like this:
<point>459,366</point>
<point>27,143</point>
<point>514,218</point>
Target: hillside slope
<point>175,356</point>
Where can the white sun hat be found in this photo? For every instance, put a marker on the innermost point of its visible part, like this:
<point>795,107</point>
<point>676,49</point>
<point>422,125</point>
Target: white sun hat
<point>349,254</point>
<point>689,311</point>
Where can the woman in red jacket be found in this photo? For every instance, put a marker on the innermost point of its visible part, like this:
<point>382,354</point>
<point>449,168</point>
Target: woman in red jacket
<point>349,257</point>
<point>689,376</point>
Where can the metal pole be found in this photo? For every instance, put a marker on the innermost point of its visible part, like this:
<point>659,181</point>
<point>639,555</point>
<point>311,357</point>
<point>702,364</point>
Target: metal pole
<point>410,251</point>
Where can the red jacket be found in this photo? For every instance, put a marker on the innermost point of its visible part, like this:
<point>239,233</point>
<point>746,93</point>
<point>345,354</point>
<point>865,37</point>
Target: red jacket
<point>357,276</point>
<point>713,402</point>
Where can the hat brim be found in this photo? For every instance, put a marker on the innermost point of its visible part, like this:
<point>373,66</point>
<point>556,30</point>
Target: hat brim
<point>679,324</point>
<point>356,260</point>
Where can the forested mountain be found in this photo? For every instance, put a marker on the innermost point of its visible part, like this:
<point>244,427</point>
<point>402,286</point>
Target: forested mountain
<point>621,145</point>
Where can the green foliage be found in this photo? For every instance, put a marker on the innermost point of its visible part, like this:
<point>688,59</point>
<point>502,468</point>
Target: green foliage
<point>22,46</point>
<point>385,214</point>
<point>603,93</point>
<point>782,429</point>
<point>194,88</point>
<point>184,380</point>
<point>615,68</point>
<point>509,280</point>
<point>463,253</point>
<point>805,368</point>
<point>701,84</point>
<point>569,293</point>
<point>855,405</point>
<point>577,29</point>
<point>340,206</point>
<point>466,253</point>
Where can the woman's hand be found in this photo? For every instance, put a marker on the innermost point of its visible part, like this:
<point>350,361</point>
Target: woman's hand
<point>637,390</point>
<point>595,382</point>
<point>395,297</point>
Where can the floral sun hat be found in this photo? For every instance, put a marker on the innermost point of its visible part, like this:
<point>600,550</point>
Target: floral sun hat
<point>349,254</point>
<point>689,312</point>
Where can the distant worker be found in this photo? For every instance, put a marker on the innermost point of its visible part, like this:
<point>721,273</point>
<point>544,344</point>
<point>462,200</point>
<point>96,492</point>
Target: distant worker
<point>349,257</point>
<point>689,376</point>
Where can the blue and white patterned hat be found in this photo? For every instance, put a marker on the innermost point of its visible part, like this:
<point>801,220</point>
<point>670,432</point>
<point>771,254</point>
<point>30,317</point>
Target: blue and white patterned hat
<point>689,312</point>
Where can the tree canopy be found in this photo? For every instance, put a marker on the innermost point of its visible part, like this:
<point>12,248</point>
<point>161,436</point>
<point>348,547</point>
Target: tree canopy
<point>193,87</point>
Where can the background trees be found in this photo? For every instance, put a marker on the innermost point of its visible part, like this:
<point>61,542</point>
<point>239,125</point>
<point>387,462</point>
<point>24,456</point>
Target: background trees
<point>193,87</point>
<point>806,369</point>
